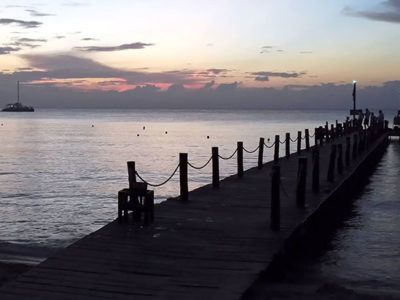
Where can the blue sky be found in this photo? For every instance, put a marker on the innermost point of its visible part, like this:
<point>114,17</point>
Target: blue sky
<point>121,45</point>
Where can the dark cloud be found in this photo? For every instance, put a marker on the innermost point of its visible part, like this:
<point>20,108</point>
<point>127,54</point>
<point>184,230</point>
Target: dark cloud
<point>217,71</point>
<point>59,37</point>
<point>35,13</point>
<point>8,50</point>
<point>306,52</point>
<point>89,39</point>
<point>25,24</point>
<point>266,49</point>
<point>28,42</point>
<point>209,85</point>
<point>265,75</point>
<point>137,45</point>
<point>389,12</point>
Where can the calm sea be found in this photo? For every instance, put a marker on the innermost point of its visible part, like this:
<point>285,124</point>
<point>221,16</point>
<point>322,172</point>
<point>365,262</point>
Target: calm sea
<point>60,170</point>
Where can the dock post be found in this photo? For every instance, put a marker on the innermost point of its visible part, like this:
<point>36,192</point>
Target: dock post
<point>298,142</point>
<point>327,132</point>
<point>260,153</point>
<point>240,159</point>
<point>340,159</point>
<point>315,136</point>
<point>355,145</point>
<point>347,154</point>
<point>307,134</point>
<point>215,167</point>
<point>301,182</point>
<point>275,198</point>
<point>315,169</point>
<point>276,150</point>
<point>331,168</point>
<point>183,176</point>
<point>131,173</point>
<point>333,134</point>
<point>287,145</point>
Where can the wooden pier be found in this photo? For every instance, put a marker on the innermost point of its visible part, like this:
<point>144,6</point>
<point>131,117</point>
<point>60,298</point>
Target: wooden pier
<point>212,246</point>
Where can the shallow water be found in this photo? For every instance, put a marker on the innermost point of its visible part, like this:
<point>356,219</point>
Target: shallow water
<point>60,170</point>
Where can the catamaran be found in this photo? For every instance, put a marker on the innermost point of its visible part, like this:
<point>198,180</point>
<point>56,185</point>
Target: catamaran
<point>18,106</point>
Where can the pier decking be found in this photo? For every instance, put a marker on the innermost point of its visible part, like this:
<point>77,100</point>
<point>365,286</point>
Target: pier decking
<point>213,246</point>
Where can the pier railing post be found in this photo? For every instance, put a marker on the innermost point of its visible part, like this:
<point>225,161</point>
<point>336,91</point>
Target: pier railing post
<point>301,182</point>
<point>315,169</point>
<point>307,134</point>
<point>276,149</point>
<point>327,132</point>
<point>331,168</point>
<point>215,167</point>
<point>347,153</point>
<point>275,198</point>
<point>298,142</point>
<point>340,159</point>
<point>260,153</point>
<point>183,176</point>
<point>333,133</point>
<point>315,136</point>
<point>240,159</point>
<point>287,145</point>
<point>131,173</point>
<point>355,145</point>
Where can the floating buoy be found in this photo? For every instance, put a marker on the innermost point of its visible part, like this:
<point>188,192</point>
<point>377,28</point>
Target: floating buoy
<point>268,140</point>
<point>208,136</point>
<point>137,134</point>
<point>144,127</point>
<point>166,132</point>
<point>92,125</point>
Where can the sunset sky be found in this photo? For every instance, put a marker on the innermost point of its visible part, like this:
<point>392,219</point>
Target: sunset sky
<point>123,44</point>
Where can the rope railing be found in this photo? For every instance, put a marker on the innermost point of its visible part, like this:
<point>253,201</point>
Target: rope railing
<point>202,167</point>
<point>160,184</point>
<point>269,147</point>
<point>293,141</point>
<point>229,157</point>
<point>248,151</point>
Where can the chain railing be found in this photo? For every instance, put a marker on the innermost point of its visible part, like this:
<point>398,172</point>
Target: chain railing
<point>159,184</point>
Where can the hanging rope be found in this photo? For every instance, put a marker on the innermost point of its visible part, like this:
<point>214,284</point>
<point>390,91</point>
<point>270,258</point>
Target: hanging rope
<point>248,151</point>
<point>227,158</point>
<point>283,142</point>
<point>269,146</point>
<point>202,167</point>
<point>160,184</point>
<point>294,141</point>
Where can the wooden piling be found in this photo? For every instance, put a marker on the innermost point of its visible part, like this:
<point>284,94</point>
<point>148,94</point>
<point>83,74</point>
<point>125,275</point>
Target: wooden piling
<point>315,136</point>
<point>307,134</point>
<point>183,176</point>
<point>276,149</point>
<point>355,145</point>
<point>331,168</point>
<point>327,132</point>
<point>260,153</point>
<point>215,167</point>
<point>287,145</point>
<point>275,197</point>
<point>315,169</point>
<point>131,173</point>
<point>298,142</point>
<point>240,159</point>
<point>340,159</point>
<point>347,153</point>
<point>301,182</point>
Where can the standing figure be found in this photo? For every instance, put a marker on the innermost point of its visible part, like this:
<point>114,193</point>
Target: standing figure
<point>360,119</point>
<point>381,120</point>
<point>366,118</point>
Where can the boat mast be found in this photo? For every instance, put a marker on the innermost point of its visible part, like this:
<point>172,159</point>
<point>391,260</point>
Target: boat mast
<point>18,91</point>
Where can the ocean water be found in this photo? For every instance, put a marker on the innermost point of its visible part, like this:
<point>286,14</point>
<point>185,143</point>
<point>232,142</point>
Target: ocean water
<point>360,258</point>
<point>60,170</point>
